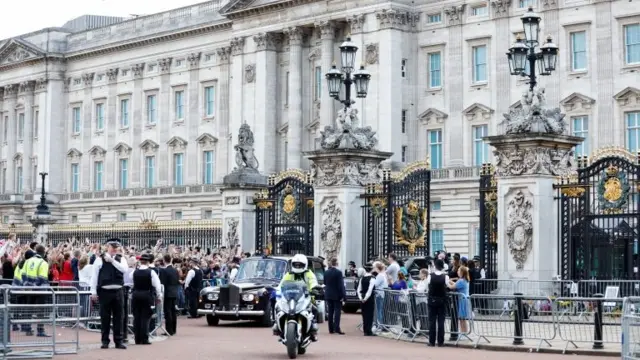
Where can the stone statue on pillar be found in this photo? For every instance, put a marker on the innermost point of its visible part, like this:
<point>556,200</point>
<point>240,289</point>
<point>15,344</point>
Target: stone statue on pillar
<point>347,133</point>
<point>533,116</point>
<point>246,171</point>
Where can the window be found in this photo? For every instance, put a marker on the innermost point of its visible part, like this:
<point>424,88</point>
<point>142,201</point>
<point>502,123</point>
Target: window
<point>403,68</point>
<point>97,175</point>
<point>209,94</point>
<point>179,99</point>
<point>97,218</point>
<point>179,63</point>
<point>177,169</point>
<point>404,153</point>
<point>99,116</point>
<point>437,240</point>
<point>207,175</point>
<point>318,83</point>
<point>20,126</point>
<point>19,180</point>
<point>479,10</point>
<point>632,43</point>
<point>125,72</point>
<point>149,171</point>
<point>36,123</point>
<point>435,148</point>
<point>434,18</point>
<point>525,3</point>
<point>122,216</point>
<point>73,219</point>
<point>124,113</point>
<point>580,127</point>
<point>6,129</point>
<point>404,121</point>
<point>207,214</point>
<point>286,91</point>
<point>633,131</point>
<point>436,205</point>
<point>480,63</point>
<point>207,57</point>
<point>177,215</point>
<point>579,50</point>
<point>435,71</point>
<point>77,81</point>
<point>151,68</point>
<point>124,173</point>
<point>76,120</point>
<point>151,109</point>
<point>480,148</point>
<point>75,177</point>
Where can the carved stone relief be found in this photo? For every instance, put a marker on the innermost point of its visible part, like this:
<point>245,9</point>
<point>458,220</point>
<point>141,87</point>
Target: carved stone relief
<point>347,133</point>
<point>223,54</point>
<point>237,45</point>
<point>345,173</point>
<point>194,59</point>
<point>232,200</point>
<point>331,231</point>
<point>112,74</point>
<point>371,53</point>
<point>519,228</point>
<point>165,64</point>
<point>533,116</point>
<point>137,70</point>
<point>533,160</point>
<point>88,78</point>
<point>232,237</point>
<point>122,149</point>
<point>250,73</point>
<point>454,14</point>
<point>177,143</point>
<point>356,22</point>
<point>149,146</point>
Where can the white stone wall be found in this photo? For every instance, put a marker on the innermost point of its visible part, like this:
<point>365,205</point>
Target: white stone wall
<point>247,56</point>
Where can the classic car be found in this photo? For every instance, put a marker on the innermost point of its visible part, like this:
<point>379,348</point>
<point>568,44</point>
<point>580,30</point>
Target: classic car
<point>248,297</point>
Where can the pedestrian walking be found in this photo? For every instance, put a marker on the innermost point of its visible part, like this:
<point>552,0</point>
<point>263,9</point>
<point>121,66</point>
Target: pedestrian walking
<point>146,291</point>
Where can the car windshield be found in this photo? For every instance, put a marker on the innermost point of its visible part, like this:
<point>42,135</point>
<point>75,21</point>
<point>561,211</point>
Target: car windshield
<point>261,269</point>
<point>293,290</point>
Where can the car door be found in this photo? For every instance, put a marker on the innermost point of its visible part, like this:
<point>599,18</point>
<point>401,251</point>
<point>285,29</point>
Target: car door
<point>318,270</point>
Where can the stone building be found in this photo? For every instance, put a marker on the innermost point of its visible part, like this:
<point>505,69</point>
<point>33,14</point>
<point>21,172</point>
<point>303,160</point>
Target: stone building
<point>134,118</point>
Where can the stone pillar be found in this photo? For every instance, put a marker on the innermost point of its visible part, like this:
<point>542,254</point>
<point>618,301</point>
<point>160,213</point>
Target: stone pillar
<point>455,70</point>
<point>239,215</point>
<point>328,35</point>
<point>222,158</point>
<point>39,99</point>
<point>164,123</point>
<point>10,98</point>
<point>112,129</point>
<point>27,89</point>
<point>86,132</point>
<point>266,78</point>
<point>236,91</point>
<point>137,122</point>
<point>294,114</point>
<point>194,118</point>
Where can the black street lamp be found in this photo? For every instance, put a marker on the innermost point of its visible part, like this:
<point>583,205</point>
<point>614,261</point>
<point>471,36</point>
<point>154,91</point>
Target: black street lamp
<point>523,52</point>
<point>42,208</point>
<point>347,77</point>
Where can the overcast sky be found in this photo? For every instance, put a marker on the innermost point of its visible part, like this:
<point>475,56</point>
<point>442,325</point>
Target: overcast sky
<point>23,16</point>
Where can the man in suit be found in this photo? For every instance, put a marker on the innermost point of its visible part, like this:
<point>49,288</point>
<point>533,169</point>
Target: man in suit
<point>171,282</point>
<point>334,294</point>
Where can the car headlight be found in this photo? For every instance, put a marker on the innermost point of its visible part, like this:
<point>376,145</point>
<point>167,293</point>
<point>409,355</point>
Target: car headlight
<point>212,297</point>
<point>248,297</point>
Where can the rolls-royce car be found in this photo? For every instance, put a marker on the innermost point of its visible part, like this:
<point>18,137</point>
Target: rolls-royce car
<point>248,297</point>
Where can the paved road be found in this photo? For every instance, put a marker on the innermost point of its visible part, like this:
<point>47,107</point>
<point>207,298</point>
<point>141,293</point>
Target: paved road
<point>237,341</point>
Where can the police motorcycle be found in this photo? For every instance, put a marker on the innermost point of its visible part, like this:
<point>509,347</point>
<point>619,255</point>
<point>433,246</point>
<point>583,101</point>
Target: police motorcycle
<point>294,315</point>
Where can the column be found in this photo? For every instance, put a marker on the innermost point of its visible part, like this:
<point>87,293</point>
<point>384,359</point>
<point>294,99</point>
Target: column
<point>2,139</point>
<point>87,131</point>
<point>503,74</point>
<point>327,34</point>
<point>39,99</point>
<point>455,71</point>
<point>224,131</point>
<point>137,120</point>
<point>27,88</point>
<point>193,156</point>
<point>53,108</point>
<point>294,114</point>
<point>389,81</point>
<point>112,127</point>
<point>606,128</point>
<point>235,94</point>
<point>265,100</point>
<point>164,122</point>
<point>10,97</point>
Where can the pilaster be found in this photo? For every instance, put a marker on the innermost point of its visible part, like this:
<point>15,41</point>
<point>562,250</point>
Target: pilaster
<point>112,128</point>
<point>164,123</point>
<point>10,99</point>
<point>500,10</point>
<point>137,122</point>
<point>605,76</point>
<point>294,114</point>
<point>454,155</point>
<point>39,98</point>
<point>236,90</point>
<point>327,31</point>
<point>2,140</point>
<point>87,130</point>
<point>193,120</point>
<point>222,116</point>
<point>53,110</point>
<point>26,89</point>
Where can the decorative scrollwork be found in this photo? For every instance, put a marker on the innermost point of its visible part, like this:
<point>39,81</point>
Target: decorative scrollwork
<point>289,205</point>
<point>519,228</point>
<point>613,151</point>
<point>613,190</point>
<point>410,226</point>
<point>411,168</point>
<point>290,173</point>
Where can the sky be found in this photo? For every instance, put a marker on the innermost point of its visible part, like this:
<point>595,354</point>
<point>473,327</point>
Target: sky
<point>23,16</point>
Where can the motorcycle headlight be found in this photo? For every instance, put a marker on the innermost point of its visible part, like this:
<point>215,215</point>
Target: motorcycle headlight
<point>212,297</point>
<point>248,297</point>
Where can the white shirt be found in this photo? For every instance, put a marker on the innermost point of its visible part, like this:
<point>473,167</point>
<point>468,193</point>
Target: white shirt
<point>128,277</point>
<point>422,286</point>
<point>190,275</point>
<point>155,281</point>
<point>85,274</point>
<point>232,274</point>
<point>122,266</point>
<point>438,272</point>
<point>392,271</point>
<point>381,282</point>
<point>369,290</point>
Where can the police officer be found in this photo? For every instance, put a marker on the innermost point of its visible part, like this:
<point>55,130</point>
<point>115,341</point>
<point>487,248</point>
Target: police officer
<point>106,287</point>
<point>146,290</point>
<point>35,273</point>
<point>17,281</point>
<point>193,285</point>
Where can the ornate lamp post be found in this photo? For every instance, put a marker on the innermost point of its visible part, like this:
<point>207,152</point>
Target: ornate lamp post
<point>42,208</point>
<point>346,76</point>
<point>523,52</point>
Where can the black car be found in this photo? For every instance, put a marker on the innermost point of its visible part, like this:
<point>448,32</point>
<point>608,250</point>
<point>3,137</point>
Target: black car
<point>352,302</point>
<point>247,298</point>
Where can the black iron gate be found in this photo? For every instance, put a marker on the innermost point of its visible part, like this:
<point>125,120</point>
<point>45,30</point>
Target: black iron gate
<point>396,214</point>
<point>599,217</point>
<point>488,244</point>
<point>284,215</point>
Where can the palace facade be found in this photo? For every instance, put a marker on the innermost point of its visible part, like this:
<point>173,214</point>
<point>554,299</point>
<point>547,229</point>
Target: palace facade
<point>137,118</point>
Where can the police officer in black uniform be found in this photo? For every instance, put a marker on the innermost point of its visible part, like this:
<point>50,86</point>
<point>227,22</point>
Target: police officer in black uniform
<point>107,285</point>
<point>193,285</point>
<point>146,291</point>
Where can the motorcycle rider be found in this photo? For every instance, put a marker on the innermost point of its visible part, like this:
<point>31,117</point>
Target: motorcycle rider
<point>300,272</point>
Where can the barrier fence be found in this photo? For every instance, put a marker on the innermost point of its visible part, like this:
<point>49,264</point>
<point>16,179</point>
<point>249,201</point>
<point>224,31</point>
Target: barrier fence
<point>631,328</point>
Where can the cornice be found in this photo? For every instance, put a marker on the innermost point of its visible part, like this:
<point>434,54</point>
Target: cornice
<point>148,40</point>
<point>267,8</point>
<point>31,62</point>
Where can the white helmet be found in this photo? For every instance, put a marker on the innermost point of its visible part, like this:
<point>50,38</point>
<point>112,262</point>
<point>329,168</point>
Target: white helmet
<point>299,264</point>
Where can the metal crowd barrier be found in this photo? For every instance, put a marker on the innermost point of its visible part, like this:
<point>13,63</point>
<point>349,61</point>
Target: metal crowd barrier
<point>631,328</point>
<point>556,288</point>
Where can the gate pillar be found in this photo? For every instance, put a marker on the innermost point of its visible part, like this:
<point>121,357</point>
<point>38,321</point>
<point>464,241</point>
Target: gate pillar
<point>339,177</point>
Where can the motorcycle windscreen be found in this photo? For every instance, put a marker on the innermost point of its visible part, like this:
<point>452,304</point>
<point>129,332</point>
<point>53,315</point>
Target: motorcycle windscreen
<point>293,290</point>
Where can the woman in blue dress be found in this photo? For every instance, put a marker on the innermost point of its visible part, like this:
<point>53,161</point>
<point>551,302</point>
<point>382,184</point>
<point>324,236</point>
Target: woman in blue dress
<point>461,286</point>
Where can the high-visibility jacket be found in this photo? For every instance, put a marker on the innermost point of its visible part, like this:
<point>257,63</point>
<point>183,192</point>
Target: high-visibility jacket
<point>308,277</point>
<point>17,276</point>
<point>35,272</point>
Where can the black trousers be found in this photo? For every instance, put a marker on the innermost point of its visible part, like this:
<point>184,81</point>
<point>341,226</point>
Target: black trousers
<point>422,314</point>
<point>142,312</point>
<point>111,312</point>
<point>125,312</point>
<point>170,315</point>
<point>37,311</point>
<point>334,311</point>
<point>368,312</point>
<point>192,300</point>
<point>437,311</point>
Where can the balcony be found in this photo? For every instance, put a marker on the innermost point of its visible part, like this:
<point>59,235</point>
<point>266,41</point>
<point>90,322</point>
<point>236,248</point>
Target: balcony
<point>467,173</point>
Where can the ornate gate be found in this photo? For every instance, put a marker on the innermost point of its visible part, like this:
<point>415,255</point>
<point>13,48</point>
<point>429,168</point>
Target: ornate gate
<point>396,214</point>
<point>284,215</point>
<point>488,243</point>
<point>599,217</point>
